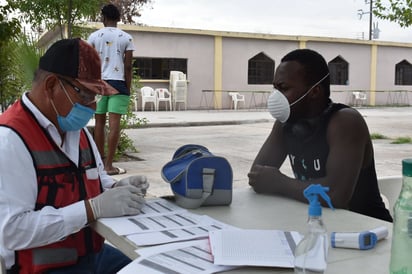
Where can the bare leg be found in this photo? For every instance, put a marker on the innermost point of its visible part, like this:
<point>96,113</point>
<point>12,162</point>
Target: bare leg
<point>113,140</point>
<point>99,132</point>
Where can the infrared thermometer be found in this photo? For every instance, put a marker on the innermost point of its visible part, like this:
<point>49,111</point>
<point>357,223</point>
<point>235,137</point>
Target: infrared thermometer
<point>358,240</point>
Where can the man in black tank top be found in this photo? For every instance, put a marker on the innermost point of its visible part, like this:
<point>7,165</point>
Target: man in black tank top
<point>326,143</point>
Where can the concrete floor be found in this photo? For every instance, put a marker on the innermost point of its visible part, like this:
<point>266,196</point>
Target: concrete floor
<point>238,135</point>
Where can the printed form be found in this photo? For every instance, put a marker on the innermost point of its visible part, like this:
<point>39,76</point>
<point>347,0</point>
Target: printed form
<point>254,247</point>
<point>183,242</point>
<point>142,223</point>
<point>158,206</point>
<point>190,257</point>
<point>179,234</point>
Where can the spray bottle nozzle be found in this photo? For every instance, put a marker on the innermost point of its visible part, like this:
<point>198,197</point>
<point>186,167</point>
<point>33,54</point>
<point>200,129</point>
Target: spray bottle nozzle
<point>311,193</point>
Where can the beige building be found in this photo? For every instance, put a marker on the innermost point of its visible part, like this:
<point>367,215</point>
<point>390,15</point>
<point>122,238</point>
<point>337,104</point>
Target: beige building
<point>216,62</point>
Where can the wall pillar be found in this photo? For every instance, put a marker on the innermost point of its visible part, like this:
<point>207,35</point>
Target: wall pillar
<point>218,72</point>
<point>372,86</point>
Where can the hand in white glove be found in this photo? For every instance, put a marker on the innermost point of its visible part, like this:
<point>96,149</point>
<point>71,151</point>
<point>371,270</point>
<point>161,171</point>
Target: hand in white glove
<point>138,181</point>
<point>119,201</point>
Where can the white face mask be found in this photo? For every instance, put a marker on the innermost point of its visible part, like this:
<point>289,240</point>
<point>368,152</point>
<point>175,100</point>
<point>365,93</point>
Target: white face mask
<point>278,104</point>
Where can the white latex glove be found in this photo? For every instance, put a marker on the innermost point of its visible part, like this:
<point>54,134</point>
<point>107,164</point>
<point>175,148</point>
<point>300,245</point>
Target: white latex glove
<point>119,201</point>
<point>138,181</point>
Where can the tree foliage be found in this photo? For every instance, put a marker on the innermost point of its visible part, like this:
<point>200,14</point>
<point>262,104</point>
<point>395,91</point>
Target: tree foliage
<point>51,13</point>
<point>47,14</point>
<point>18,61</point>
<point>9,30</point>
<point>398,11</point>
<point>130,9</point>
<point>26,60</point>
<point>19,55</point>
<point>9,27</point>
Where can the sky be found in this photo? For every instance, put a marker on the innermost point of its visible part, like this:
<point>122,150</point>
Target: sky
<point>324,18</point>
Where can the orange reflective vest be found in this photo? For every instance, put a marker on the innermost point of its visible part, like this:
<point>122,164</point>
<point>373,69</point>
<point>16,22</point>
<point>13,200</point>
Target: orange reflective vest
<point>60,183</point>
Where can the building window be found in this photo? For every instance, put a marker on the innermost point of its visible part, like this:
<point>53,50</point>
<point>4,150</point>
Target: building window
<point>261,70</point>
<point>403,73</point>
<point>339,71</point>
<point>158,68</point>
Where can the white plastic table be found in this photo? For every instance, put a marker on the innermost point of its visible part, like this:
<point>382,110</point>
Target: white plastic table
<point>257,211</point>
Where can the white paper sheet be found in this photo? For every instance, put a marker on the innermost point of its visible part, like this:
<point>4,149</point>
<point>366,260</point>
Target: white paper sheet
<point>141,223</point>
<point>189,257</point>
<point>254,247</point>
<point>158,206</point>
<point>179,234</point>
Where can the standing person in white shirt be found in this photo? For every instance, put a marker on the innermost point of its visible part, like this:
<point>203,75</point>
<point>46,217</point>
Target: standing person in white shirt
<point>115,48</point>
<point>52,181</point>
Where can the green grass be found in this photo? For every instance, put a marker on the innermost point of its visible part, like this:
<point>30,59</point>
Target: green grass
<point>378,136</point>
<point>402,140</point>
<point>398,140</point>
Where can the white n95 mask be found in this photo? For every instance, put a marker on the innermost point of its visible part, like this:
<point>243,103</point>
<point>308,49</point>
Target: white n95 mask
<point>278,106</point>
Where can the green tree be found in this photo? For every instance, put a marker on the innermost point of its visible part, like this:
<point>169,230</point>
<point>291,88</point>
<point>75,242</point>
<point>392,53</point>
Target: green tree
<point>27,59</point>
<point>58,13</point>
<point>9,30</point>
<point>398,11</point>
<point>18,61</point>
<point>9,27</point>
<point>130,9</point>
<point>55,13</point>
<point>9,82</point>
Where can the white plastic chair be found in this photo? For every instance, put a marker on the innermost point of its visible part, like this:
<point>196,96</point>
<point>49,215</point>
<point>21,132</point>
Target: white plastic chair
<point>148,96</point>
<point>236,98</point>
<point>359,98</point>
<point>174,76</point>
<point>180,93</point>
<point>163,95</point>
<point>390,187</point>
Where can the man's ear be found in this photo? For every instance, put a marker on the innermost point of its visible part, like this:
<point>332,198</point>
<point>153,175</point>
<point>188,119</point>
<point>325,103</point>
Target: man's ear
<point>316,92</point>
<point>50,86</point>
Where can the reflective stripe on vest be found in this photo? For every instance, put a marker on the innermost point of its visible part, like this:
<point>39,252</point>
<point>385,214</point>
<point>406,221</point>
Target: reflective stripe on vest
<point>48,158</point>
<point>47,256</point>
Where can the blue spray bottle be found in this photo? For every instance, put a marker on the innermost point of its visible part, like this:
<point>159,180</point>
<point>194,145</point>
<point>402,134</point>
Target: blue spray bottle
<point>311,252</point>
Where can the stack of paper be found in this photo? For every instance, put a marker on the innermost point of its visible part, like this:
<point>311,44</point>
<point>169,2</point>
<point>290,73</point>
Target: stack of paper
<point>183,242</point>
<point>254,247</point>
<point>163,222</point>
<point>191,257</point>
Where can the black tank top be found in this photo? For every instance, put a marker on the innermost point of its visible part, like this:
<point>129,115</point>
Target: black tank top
<point>308,150</point>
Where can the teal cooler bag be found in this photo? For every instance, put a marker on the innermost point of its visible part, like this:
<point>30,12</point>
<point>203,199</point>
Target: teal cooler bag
<point>197,177</point>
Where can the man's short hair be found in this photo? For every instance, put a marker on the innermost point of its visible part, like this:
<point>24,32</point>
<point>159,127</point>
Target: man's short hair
<point>314,65</point>
<point>111,12</point>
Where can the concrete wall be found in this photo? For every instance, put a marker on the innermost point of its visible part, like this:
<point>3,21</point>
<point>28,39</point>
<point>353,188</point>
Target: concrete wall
<point>219,61</point>
<point>359,61</point>
<point>198,50</point>
<point>236,54</point>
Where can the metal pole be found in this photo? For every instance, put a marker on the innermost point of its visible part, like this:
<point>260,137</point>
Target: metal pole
<point>370,19</point>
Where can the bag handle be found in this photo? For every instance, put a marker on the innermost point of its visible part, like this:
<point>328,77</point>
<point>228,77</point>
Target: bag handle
<point>199,152</point>
<point>208,176</point>
<point>187,148</point>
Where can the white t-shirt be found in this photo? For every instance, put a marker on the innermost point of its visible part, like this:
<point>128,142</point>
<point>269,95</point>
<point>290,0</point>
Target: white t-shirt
<point>111,43</point>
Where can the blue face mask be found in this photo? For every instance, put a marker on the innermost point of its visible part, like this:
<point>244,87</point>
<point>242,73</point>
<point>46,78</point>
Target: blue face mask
<point>77,118</point>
